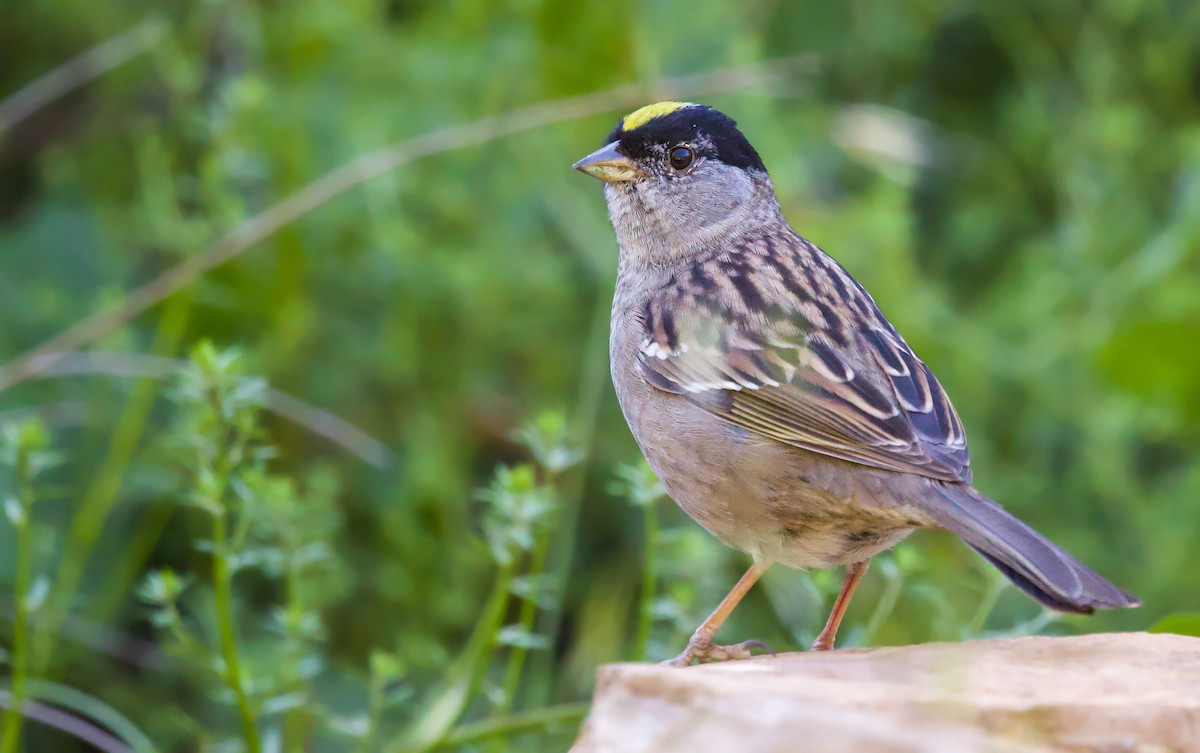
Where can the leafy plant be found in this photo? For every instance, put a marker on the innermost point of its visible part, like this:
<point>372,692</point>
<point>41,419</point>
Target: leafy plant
<point>373,201</point>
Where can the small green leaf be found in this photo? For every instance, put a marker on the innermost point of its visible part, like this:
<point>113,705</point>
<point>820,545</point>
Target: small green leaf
<point>162,587</point>
<point>385,667</point>
<point>637,483</point>
<point>548,438</point>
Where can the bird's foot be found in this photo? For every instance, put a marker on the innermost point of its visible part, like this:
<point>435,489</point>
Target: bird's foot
<point>703,650</point>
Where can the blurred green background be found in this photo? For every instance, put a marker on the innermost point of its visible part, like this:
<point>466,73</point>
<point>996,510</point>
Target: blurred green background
<point>1017,184</point>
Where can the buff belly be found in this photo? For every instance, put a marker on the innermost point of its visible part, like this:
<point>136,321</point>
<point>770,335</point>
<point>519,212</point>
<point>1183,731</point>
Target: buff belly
<point>779,503</point>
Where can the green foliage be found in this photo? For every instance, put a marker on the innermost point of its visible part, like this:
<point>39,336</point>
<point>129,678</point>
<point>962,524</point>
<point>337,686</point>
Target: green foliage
<point>1182,623</point>
<point>25,455</point>
<point>379,551</point>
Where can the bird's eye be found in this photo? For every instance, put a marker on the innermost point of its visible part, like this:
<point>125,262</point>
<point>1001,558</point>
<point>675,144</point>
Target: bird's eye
<point>681,157</point>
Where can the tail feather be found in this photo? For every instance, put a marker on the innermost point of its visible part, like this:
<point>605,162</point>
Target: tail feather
<point>1032,562</point>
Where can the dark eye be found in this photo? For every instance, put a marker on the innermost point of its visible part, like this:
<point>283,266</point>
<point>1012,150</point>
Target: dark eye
<point>681,157</point>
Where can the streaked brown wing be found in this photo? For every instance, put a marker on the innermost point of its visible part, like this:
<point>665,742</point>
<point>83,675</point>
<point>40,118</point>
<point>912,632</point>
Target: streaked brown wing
<point>844,386</point>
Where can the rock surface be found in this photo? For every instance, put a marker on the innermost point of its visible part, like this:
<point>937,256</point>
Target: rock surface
<point>1110,693</point>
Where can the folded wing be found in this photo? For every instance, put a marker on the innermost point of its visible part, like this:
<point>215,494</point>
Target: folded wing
<point>830,376</point>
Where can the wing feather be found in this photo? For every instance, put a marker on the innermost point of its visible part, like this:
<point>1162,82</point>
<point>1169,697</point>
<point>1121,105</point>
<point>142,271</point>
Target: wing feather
<point>824,370</point>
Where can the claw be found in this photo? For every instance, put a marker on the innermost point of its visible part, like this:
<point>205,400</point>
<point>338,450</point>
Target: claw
<point>703,650</point>
<point>758,644</point>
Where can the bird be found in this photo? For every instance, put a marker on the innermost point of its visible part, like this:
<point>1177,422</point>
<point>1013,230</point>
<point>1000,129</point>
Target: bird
<point>768,392</point>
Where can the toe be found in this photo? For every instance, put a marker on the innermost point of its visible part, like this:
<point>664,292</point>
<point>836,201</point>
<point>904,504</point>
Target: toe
<point>745,649</point>
<point>759,645</point>
<point>706,651</point>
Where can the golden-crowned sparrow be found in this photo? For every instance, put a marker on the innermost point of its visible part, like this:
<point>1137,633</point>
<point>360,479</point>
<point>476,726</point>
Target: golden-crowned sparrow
<point>774,400</point>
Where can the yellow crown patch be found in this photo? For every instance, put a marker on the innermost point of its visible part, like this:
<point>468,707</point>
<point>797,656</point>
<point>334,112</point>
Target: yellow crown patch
<point>639,118</point>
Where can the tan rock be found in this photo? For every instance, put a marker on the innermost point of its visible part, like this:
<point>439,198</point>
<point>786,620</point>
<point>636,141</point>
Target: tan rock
<point>1110,693</point>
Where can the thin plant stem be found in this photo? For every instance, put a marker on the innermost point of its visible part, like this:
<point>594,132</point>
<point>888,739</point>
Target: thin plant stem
<point>190,645</point>
<point>23,581</point>
<point>79,70</point>
<point>126,365</point>
<point>223,601</point>
<point>293,719</point>
<point>996,587</point>
<point>529,608</point>
<point>1036,625</point>
<point>222,577</point>
<point>883,608</point>
<point>649,579</point>
<point>489,627</point>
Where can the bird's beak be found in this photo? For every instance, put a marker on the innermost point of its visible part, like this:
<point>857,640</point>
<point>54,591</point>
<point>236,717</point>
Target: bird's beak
<point>609,165</point>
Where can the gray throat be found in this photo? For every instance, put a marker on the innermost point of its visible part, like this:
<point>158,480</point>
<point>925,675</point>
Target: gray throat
<point>657,234</point>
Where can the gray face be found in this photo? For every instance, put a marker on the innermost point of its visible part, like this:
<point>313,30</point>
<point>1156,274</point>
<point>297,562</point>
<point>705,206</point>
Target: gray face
<point>670,213</point>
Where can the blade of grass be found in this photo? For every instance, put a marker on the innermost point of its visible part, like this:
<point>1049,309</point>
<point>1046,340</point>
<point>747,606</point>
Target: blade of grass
<point>997,585</point>
<point>321,422</point>
<point>649,580</point>
<point>79,70</point>
<point>90,707</point>
<point>438,715</point>
<point>887,601</point>
<point>126,572</point>
<point>61,720</point>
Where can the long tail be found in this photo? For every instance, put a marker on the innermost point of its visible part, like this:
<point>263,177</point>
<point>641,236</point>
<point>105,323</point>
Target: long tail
<point>1031,561</point>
